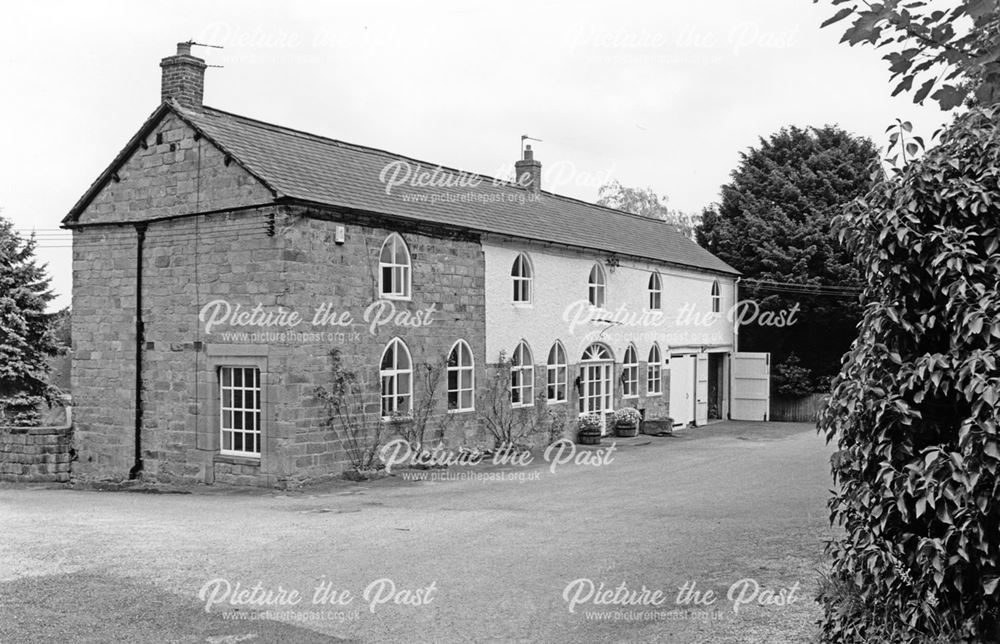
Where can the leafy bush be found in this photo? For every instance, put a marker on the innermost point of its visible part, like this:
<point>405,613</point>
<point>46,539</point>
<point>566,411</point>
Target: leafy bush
<point>789,379</point>
<point>914,409</point>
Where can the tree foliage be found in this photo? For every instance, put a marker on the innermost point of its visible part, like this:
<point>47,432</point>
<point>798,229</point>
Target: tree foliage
<point>914,410</point>
<point>789,379</point>
<point>645,203</point>
<point>27,338</point>
<point>951,53</point>
<point>774,224</point>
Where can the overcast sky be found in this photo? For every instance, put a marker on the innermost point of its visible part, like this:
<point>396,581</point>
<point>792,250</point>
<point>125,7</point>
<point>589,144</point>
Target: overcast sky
<point>659,94</point>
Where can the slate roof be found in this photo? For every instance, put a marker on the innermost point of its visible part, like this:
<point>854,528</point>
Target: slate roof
<point>316,169</point>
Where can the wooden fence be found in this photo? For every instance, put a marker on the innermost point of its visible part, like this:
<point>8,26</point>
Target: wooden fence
<point>804,409</point>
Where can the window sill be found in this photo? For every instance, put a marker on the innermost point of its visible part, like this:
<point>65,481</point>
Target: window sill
<point>396,298</point>
<point>630,397</point>
<point>556,402</point>
<point>521,406</point>
<point>656,395</point>
<point>461,411</point>
<point>233,459</point>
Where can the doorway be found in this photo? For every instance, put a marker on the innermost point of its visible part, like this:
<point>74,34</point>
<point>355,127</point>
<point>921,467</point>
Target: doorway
<point>715,385</point>
<point>596,383</point>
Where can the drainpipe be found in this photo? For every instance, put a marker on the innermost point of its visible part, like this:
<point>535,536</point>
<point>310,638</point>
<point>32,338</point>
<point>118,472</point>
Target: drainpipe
<point>736,341</point>
<point>140,229</point>
<point>736,316</point>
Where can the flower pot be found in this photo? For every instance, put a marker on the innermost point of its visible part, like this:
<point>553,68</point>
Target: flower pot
<point>626,430</point>
<point>589,436</point>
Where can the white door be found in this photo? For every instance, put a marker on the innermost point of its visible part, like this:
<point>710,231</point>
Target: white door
<point>701,390</point>
<point>750,386</point>
<point>682,392</point>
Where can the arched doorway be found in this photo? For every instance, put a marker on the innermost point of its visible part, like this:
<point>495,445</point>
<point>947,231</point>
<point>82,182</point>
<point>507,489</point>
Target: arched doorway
<point>596,386</point>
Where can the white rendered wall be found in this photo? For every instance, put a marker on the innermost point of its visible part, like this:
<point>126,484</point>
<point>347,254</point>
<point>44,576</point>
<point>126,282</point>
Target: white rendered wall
<point>559,309</point>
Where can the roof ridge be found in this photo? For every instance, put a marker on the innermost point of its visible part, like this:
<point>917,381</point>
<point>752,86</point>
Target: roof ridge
<point>395,155</point>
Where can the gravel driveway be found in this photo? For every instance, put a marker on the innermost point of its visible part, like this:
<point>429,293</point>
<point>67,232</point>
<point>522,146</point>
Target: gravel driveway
<point>737,509</point>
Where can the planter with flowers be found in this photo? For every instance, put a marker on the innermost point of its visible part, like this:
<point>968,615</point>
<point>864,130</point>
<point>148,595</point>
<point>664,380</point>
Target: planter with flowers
<point>589,430</point>
<point>627,422</point>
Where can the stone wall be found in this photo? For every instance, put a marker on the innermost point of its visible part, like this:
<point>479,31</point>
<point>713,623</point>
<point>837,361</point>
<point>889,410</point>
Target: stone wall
<point>176,173</point>
<point>36,454</point>
<point>234,260</point>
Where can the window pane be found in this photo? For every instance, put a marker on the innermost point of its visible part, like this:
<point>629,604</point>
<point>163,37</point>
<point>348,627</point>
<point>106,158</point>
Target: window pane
<point>227,397</point>
<point>227,377</point>
<point>227,440</point>
<point>237,377</point>
<point>386,280</point>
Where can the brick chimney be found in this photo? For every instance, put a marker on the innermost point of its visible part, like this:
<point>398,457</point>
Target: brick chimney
<point>183,77</point>
<point>528,171</point>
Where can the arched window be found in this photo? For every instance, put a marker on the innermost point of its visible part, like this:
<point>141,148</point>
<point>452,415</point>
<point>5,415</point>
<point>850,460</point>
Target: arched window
<point>522,376</point>
<point>654,370</point>
<point>597,283</point>
<point>461,377</point>
<point>630,373</point>
<point>655,292</point>
<point>396,372</point>
<point>556,369</point>
<point>716,297</point>
<point>394,269</point>
<point>521,276</point>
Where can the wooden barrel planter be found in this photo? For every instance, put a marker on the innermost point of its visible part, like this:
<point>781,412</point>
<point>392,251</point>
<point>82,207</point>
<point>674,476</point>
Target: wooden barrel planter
<point>626,430</point>
<point>589,436</point>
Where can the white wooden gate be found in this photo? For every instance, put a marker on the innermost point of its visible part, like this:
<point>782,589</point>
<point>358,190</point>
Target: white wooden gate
<point>682,389</point>
<point>750,386</point>
<point>701,390</point>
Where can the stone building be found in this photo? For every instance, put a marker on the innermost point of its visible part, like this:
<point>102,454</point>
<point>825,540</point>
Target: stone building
<point>219,260</point>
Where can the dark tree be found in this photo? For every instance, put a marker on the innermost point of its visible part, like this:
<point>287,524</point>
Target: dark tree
<point>774,224</point>
<point>27,338</point>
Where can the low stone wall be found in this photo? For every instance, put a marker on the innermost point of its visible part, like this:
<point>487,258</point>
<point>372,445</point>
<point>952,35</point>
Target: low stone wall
<point>37,454</point>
